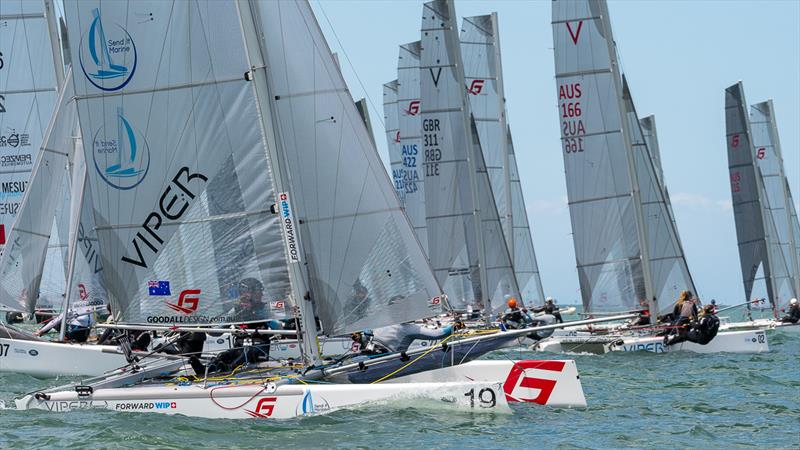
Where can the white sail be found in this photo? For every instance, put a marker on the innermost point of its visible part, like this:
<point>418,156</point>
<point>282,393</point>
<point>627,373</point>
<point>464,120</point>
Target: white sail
<point>410,122</point>
<point>667,263</point>
<point>23,260</point>
<point>753,222</point>
<point>626,240</point>
<point>778,201</point>
<point>393,137</point>
<point>467,247</point>
<point>480,49</point>
<point>28,95</point>
<point>180,186</point>
<point>365,266</point>
<point>600,188</point>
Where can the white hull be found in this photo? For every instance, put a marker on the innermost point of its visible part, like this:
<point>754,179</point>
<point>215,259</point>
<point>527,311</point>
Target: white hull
<point>748,341</point>
<point>477,386</point>
<point>51,359</point>
<point>761,324</point>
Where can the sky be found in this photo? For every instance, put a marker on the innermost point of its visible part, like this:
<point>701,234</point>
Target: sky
<point>678,56</point>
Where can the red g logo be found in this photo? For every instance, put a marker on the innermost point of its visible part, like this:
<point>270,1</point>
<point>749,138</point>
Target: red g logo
<point>517,379</point>
<point>476,87</point>
<point>413,108</point>
<point>82,291</point>
<point>264,407</point>
<point>187,303</point>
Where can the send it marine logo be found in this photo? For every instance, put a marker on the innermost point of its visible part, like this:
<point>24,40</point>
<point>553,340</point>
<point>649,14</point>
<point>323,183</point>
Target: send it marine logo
<point>121,154</point>
<point>107,54</point>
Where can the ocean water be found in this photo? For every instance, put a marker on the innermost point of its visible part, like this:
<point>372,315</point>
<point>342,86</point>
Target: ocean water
<point>636,400</point>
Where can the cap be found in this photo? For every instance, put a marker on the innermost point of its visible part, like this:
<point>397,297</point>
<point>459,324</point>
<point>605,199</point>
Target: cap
<point>793,301</point>
<point>549,300</point>
<point>512,303</point>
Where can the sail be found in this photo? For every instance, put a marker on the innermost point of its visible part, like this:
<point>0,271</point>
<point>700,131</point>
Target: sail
<point>366,268</point>
<point>180,188</point>
<point>669,271</point>
<point>648,126</point>
<point>795,227</point>
<point>28,95</point>
<point>23,261</point>
<point>781,240</point>
<point>480,49</point>
<point>393,137</point>
<point>410,122</point>
<point>525,265</point>
<point>599,184</point>
<point>746,192</point>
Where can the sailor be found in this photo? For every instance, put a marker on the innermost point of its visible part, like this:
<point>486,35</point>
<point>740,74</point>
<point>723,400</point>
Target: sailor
<point>79,323</point>
<point>251,305</point>
<point>793,315</point>
<point>398,338</point>
<point>700,331</point>
<point>684,312</point>
<point>644,314</point>
<point>248,348</point>
<point>550,308</point>
<point>514,317</point>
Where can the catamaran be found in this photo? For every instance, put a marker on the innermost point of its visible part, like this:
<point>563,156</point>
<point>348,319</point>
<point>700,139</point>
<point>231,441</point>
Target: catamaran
<point>628,252</point>
<point>767,227</point>
<point>254,163</point>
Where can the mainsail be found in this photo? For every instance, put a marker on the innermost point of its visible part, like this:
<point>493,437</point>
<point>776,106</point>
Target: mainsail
<point>180,145</point>
<point>180,186</point>
<point>30,73</point>
<point>782,240</point>
<point>480,48</point>
<point>410,124</point>
<point>466,244</point>
<point>626,244</point>
<point>393,137</point>
<point>760,261</point>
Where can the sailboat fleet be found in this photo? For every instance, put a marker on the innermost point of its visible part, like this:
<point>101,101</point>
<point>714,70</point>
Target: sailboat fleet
<point>190,148</point>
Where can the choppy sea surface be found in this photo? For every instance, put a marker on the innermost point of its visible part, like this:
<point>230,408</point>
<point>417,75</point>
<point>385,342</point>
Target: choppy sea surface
<point>636,400</point>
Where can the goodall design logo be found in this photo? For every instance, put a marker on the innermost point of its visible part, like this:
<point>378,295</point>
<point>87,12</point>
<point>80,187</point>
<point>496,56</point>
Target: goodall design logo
<point>413,108</point>
<point>476,87</point>
<point>264,407</point>
<point>517,379</point>
<point>187,302</point>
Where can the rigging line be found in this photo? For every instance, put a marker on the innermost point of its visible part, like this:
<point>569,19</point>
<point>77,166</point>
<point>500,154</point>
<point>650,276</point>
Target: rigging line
<point>347,57</point>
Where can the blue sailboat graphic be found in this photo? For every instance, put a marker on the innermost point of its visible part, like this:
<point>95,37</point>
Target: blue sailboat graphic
<point>125,160</point>
<point>106,67</point>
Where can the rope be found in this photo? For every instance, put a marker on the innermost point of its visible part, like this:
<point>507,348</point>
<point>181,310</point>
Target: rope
<point>415,359</point>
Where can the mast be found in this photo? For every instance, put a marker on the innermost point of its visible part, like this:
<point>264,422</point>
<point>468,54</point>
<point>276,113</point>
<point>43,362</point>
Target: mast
<point>787,197</point>
<point>634,179</point>
<point>76,205</point>
<point>256,49</point>
<point>55,47</point>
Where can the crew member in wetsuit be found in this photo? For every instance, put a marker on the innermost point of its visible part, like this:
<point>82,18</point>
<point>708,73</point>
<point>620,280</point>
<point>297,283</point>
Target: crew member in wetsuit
<point>251,305</point>
<point>79,324</point>
<point>793,315</point>
<point>700,331</point>
<point>515,317</point>
<point>550,308</point>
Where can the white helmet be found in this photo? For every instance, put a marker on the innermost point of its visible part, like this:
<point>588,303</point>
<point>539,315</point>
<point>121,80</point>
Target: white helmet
<point>549,299</point>
<point>793,301</point>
